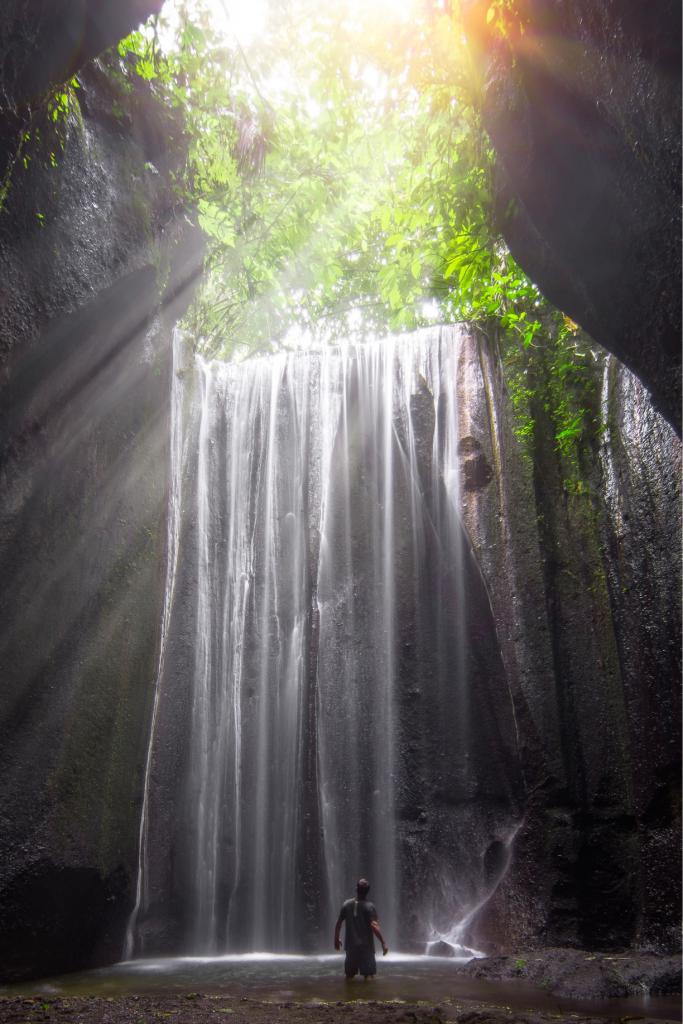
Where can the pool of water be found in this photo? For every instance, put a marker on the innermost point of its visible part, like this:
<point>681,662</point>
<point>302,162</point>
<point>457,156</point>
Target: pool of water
<point>308,978</point>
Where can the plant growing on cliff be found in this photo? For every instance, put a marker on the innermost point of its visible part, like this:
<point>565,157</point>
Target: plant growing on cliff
<point>554,385</point>
<point>43,137</point>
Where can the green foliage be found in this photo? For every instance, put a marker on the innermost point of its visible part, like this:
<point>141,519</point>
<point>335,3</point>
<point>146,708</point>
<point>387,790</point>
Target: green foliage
<point>345,186</point>
<point>506,18</point>
<point>341,174</point>
<point>44,137</point>
<point>555,378</point>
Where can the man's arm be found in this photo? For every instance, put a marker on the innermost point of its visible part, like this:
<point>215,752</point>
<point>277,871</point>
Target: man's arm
<point>337,933</point>
<point>378,934</point>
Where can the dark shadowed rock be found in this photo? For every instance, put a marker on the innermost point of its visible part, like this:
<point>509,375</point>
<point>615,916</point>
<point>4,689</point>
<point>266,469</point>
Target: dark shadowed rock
<point>576,974</point>
<point>43,43</point>
<point>62,907</point>
<point>585,590</point>
<point>468,446</point>
<point>84,390</point>
<point>477,473</point>
<point>440,949</point>
<point>582,102</point>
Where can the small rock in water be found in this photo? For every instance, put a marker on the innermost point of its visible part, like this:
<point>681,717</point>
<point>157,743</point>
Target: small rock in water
<point>440,949</point>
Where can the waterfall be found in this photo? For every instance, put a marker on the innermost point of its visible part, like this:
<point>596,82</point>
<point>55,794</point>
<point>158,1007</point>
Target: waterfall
<point>319,685</point>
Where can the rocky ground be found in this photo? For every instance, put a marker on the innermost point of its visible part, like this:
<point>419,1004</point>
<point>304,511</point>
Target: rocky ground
<point>194,1008</point>
<point>578,974</point>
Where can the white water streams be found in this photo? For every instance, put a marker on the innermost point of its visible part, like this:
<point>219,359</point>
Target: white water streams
<point>329,652</point>
<point>172,542</point>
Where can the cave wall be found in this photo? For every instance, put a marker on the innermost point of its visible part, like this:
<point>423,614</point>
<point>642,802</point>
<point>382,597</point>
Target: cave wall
<point>582,103</point>
<point>94,264</point>
<point>584,580</point>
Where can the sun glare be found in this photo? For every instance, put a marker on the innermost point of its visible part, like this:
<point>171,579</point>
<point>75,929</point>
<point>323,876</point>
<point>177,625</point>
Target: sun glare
<point>246,19</point>
<point>243,19</point>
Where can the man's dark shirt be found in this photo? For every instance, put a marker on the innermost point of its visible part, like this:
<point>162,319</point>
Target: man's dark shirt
<point>357,915</point>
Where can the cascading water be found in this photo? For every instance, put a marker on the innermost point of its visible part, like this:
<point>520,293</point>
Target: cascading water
<point>315,704</point>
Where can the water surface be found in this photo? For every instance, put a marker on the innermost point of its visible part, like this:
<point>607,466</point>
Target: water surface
<point>281,978</point>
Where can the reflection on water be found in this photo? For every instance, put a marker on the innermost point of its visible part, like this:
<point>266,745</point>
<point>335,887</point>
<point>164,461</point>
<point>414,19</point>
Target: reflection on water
<point>274,977</point>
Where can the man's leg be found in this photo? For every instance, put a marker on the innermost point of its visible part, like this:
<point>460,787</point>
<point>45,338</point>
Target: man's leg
<point>351,964</point>
<point>367,964</point>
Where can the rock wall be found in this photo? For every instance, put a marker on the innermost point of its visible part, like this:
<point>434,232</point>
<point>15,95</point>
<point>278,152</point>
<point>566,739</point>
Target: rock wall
<point>84,394</point>
<point>44,42</point>
<point>585,588</point>
<point>582,103</point>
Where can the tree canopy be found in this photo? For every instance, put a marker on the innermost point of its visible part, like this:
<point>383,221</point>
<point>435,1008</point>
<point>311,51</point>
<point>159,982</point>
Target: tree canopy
<point>340,171</point>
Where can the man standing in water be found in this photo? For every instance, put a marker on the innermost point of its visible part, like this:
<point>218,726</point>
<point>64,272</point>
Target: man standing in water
<point>361,926</point>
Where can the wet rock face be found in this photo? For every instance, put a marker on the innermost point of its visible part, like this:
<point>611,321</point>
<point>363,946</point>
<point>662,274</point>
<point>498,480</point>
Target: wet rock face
<point>475,468</point>
<point>640,463</point>
<point>44,43</point>
<point>84,385</point>
<point>584,584</point>
<point>573,974</point>
<point>41,900</point>
<point>583,108</point>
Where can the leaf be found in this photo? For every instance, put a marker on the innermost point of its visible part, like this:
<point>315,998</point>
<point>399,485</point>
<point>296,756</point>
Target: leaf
<point>146,70</point>
<point>466,275</point>
<point>574,427</point>
<point>395,297</point>
<point>385,217</point>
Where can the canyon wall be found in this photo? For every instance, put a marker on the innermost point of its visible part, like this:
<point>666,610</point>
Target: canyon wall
<point>90,249</point>
<point>583,573</point>
<point>582,104</point>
